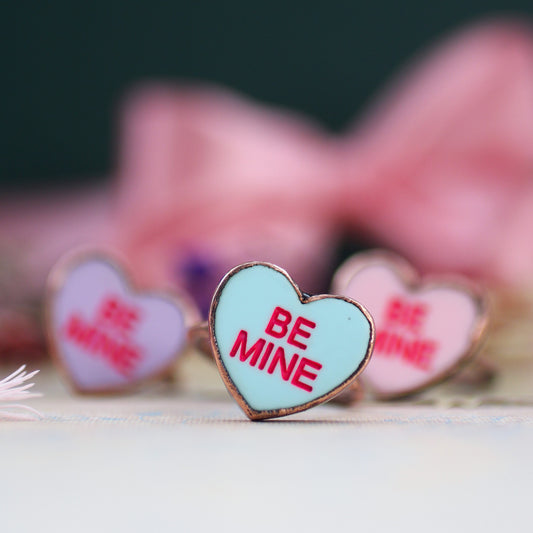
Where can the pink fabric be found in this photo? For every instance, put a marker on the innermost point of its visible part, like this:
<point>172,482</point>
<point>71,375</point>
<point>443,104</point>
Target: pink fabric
<point>450,155</point>
<point>440,171</point>
<point>206,175</point>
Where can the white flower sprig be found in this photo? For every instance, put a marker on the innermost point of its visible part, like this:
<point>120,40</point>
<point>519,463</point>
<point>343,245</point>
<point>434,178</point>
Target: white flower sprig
<point>13,389</point>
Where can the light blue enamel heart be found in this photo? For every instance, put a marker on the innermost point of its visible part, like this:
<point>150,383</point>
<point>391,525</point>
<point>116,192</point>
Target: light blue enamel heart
<point>279,351</point>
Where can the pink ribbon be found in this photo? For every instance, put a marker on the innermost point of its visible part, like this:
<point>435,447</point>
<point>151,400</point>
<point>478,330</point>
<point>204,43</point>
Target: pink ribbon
<point>441,170</point>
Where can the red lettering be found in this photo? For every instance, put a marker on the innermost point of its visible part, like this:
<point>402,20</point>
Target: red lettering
<point>260,355</point>
<point>418,315</point>
<point>281,323</point>
<point>406,314</point>
<point>73,328</point>
<point>266,355</point>
<point>417,352</point>
<point>393,313</point>
<point>87,336</point>
<point>394,344</point>
<point>381,341</point>
<point>121,356</point>
<point>410,352</point>
<point>279,357</point>
<point>301,371</point>
<point>124,358</point>
<point>118,314</point>
<point>108,309</point>
<point>297,330</point>
<point>114,352</point>
<point>254,351</point>
<point>420,353</point>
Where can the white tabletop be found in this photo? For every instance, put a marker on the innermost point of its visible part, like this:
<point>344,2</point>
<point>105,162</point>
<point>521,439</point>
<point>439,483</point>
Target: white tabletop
<point>182,458</point>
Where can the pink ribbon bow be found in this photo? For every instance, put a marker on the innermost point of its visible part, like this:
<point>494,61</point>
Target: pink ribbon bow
<point>441,170</point>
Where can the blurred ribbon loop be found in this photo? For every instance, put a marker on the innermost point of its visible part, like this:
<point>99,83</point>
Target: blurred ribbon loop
<point>440,170</point>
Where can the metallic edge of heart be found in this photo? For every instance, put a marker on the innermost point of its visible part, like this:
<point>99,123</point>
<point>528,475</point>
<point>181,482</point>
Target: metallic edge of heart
<point>54,284</point>
<point>414,282</point>
<point>254,414</point>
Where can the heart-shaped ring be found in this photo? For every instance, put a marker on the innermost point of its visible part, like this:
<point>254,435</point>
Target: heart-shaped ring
<point>280,351</point>
<point>426,328</point>
<point>105,334</point>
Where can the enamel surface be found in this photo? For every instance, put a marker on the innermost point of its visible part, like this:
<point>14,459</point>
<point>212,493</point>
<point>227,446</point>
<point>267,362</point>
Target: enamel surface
<point>339,341</point>
<point>151,327</point>
<point>421,333</point>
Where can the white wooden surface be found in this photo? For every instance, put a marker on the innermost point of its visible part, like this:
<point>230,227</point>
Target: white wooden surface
<point>182,460</point>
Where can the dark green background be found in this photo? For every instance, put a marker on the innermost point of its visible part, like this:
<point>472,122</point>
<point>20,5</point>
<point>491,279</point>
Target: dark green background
<point>68,62</point>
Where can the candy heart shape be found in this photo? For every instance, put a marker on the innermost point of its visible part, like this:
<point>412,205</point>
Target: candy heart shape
<point>280,351</point>
<point>425,330</point>
<point>105,335</point>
